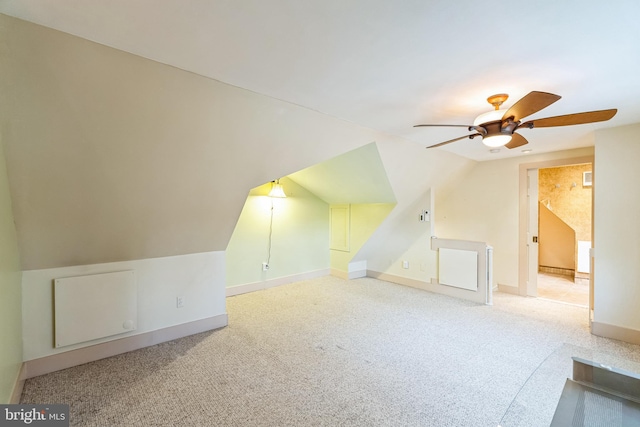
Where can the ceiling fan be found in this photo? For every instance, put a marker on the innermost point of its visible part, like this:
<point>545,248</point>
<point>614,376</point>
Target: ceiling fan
<point>497,128</point>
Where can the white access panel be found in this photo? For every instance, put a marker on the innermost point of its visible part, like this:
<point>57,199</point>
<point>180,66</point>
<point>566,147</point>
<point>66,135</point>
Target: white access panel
<point>458,268</point>
<point>95,306</point>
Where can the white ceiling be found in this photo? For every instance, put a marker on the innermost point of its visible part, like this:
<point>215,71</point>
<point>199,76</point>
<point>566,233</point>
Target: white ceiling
<point>387,64</point>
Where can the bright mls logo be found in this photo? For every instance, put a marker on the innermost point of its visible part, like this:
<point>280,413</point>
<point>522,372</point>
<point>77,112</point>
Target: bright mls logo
<point>34,415</point>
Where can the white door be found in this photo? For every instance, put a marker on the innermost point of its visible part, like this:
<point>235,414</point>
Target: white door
<point>532,232</point>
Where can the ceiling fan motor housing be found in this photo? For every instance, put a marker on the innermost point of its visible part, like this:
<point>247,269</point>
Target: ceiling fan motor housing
<point>494,134</point>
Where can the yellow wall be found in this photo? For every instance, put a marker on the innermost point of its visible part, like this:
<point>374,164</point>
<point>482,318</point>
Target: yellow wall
<point>569,203</point>
<point>556,241</point>
<point>299,236</point>
<point>365,219</point>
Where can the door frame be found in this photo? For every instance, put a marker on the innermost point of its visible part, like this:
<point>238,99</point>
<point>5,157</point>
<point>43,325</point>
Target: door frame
<point>523,211</point>
<point>532,232</point>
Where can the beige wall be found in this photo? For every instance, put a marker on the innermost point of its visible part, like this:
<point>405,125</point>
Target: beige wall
<point>617,228</point>
<point>10,295</point>
<point>484,206</point>
<point>114,160</point>
<point>415,175</point>
<point>114,157</point>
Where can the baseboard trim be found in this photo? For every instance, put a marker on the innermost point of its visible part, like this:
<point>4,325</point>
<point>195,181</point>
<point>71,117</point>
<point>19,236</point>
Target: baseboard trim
<point>279,281</point>
<point>68,359</point>
<point>357,274</point>
<point>615,332</point>
<point>348,275</point>
<point>340,274</point>
<point>399,280</point>
<point>16,394</point>
<point>432,286</point>
<point>557,270</point>
<point>508,289</point>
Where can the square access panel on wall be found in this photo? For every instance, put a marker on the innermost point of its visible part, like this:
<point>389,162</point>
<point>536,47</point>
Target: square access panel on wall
<point>94,306</point>
<point>340,227</point>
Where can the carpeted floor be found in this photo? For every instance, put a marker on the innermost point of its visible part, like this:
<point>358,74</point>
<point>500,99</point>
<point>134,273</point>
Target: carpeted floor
<point>330,352</point>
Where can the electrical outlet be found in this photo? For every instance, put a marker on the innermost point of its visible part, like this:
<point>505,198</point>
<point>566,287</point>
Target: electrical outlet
<point>179,302</point>
<point>265,266</point>
<point>405,264</point>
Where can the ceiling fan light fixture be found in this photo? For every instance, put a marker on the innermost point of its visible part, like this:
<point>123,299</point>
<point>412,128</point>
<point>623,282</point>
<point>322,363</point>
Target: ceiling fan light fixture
<point>497,128</point>
<point>496,140</point>
<point>491,116</point>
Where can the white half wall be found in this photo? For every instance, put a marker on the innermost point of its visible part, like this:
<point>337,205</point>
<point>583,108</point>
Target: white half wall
<point>198,278</point>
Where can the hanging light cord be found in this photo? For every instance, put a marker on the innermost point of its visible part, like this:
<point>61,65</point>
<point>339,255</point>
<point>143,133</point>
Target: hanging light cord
<point>270,233</point>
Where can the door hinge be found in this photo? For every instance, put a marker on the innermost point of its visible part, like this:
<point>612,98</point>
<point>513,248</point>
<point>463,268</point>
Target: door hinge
<point>535,239</point>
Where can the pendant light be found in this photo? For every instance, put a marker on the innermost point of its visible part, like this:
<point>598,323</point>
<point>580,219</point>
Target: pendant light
<point>276,189</point>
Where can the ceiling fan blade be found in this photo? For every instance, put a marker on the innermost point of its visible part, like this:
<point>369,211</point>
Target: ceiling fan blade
<point>517,140</point>
<point>454,140</point>
<point>529,104</point>
<point>457,126</point>
<point>571,119</point>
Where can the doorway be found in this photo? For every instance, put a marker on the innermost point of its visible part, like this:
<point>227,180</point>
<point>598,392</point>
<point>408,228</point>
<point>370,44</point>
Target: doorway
<point>565,201</point>
<point>555,262</point>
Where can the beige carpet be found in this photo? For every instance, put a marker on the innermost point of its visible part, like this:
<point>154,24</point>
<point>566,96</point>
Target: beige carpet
<point>329,352</point>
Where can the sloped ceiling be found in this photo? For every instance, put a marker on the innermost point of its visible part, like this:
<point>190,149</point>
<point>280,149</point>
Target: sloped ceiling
<point>114,157</point>
<point>384,64</point>
<point>354,177</point>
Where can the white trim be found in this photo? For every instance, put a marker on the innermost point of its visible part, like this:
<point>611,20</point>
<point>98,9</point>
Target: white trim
<point>357,274</point>
<point>432,286</point>
<point>357,269</point>
<point>484,279</point>
<point>58,361</point>
<point>339,273</point>
<point>508,289</point>
<point>340,215</point>
<point>615,332</point>
<point>258,286</point>
<point>350,275</point>
<point>16,394</point>
<point>418,284</point>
